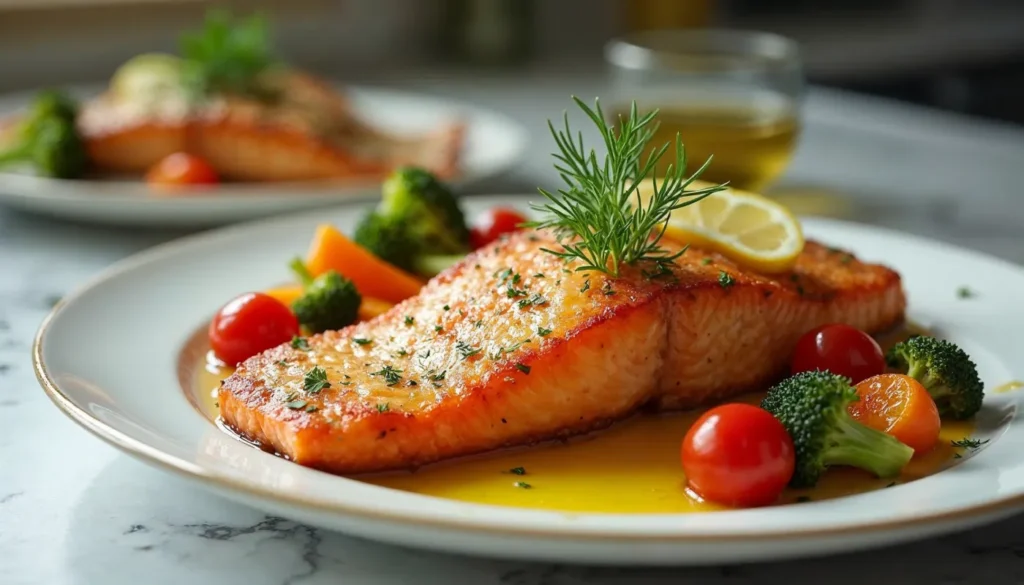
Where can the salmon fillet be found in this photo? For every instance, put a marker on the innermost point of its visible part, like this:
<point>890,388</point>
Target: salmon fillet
<point>511,346</point>
<point>310,133</point>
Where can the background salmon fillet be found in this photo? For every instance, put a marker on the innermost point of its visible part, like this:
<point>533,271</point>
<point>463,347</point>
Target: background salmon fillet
<point>512,346</point>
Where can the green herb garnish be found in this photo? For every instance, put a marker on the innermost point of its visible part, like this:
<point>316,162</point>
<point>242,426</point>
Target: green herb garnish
<point>296,404</point>
<point>964,293</point>
<point>315,380</point>
<point>391,375</point>
<point>517,471</point>
<point>228,56</point>
<point>383,407</point>
<point>362,341</point>
<point>971,444</point>
<point>300,343</point>
<point>465,350</point>
<point>523,484</point>
<point>725,280</point>
<point>601,217</point>
<point>523,368</point>
<point>409,320</point>
<point>543,331</point>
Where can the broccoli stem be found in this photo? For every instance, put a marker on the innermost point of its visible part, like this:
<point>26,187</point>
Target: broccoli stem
<point>920,371</point>
<point>857,445</point>
<point>432,265</point>
<point>300,270</point>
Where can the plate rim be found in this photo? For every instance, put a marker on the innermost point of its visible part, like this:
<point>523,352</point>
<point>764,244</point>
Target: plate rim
<point>153,455</point>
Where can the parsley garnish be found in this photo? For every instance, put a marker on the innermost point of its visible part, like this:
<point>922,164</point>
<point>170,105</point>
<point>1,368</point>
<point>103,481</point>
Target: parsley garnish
<point>517,471</point>
<point>409,320</point>
<point>390,374</point>
<point>523,484</point>
<point>296,404</point>
<point>586,286</point>
<point>971,444</point>
<point>706,261</point>
<point>315,380</point>
<point>465,350</point>
<point>402,353</point>
<point>535,300</point>
<point>437,377</point>
<point>300,343</point>
<point>725,280</point>
<point>523,368</point>
<point>447,308</point>
<point>438,329</point>
<point>515,292</point>
<point>543,332</point>
<point>539,275</point>
<point>282,363</point>
<point>362,341</point>
<point>383,407</point>
<point>311,408</point>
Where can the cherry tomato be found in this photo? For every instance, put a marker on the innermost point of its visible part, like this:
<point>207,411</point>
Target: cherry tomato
<point>182,168</point>
<point>840,349</point>
<point>249,324</point>
<point>738,455</point>
<point>494,223</point>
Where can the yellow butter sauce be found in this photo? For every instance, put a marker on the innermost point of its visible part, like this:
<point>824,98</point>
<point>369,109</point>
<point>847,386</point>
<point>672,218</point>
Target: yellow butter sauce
<point>632,467</point>
<point>1008,387</point>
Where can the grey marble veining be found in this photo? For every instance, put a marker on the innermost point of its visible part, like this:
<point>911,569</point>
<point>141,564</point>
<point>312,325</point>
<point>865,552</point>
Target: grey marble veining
<point>75,511</point>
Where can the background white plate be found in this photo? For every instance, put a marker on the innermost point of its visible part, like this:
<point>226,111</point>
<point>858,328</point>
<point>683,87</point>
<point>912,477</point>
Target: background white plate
<point>494,143</point>
<point>107,356</point>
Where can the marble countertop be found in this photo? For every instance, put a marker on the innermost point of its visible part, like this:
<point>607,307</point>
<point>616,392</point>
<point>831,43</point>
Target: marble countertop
<point>75,511</point>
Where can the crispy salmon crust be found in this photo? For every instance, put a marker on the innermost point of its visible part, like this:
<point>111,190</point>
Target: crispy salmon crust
<point>512,346</point>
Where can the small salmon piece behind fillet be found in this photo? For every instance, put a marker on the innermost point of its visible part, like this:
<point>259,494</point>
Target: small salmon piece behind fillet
<point>512,346</point>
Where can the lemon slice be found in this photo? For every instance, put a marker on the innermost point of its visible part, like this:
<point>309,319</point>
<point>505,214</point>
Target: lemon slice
<point>147,74</point>
<point>748,228</point>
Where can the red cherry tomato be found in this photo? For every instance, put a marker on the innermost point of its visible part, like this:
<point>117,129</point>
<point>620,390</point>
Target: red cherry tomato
<point>182,168</point>
<point>249,324</point>
<point>494,223</point>
<point>738,455</point>
<point>840,349</point>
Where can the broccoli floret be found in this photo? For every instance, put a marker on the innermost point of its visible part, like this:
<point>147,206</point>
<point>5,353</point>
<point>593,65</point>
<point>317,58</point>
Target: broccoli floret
<point>945,370</point>
<point>812,406</point>
<point>390,240</point>
<point>48,138</point>
<point>429,210</point>
<point>329,301</point>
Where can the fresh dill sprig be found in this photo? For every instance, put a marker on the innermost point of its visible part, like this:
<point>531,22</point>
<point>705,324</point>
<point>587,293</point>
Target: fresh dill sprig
<point>600,216</point>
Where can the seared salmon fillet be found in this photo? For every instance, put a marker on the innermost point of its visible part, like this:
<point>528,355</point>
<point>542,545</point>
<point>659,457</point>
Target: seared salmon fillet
<point>310,132</point>
<point>512,346</point>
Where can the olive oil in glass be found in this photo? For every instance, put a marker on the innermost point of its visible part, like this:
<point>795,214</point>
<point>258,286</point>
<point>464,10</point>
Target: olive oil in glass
<point>751,143</point>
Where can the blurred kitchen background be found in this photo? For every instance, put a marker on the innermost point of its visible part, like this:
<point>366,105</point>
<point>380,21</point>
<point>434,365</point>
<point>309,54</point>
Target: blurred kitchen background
<point>930,135</point>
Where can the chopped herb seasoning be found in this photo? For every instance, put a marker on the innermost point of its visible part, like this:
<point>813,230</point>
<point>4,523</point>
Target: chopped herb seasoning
<point>725,280</point>
<point>402,353</point>
<point>447,308</point>
<point>523,484</point>
<point>465,350</point>
<point>362,341</point>
<point>409,320</point>
<point>567,271</point>
<point>523,368</point>
<point>296,404</point>
<point>543,332</point>
<point>515,292</point>
<point>311,408</point>
<point>517,471</point>
<point>300,343</point>
<point>607,289</point>
<point>383,407</point>
<point>539,275</point>
<point>964,293</point>
<point>282,363</point>
<point>391,375</point>
<point>706,261</point>
<point>957,456</point>
<point>412,383</point>
<point>479,323</point>
<point>971,444</point>
<point>516,278</point>
<point>535,300</point>
<point>504,274</point>
<point>586,286</point>
<point>438,329</point>
<point>315,380</point>
<point>437,377</point>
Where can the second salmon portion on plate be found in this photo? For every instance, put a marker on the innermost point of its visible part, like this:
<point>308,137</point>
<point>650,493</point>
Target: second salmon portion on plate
<point>226,116</point>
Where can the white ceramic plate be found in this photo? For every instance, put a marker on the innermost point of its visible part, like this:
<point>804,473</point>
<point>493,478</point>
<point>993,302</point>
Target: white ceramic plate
<point>494,143</point>
<point>120,382</point>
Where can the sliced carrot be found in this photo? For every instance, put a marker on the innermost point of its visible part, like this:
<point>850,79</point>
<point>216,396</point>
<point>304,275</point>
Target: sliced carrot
<point>373,277</point>
<point>286,294</point>
<point>898,405</point>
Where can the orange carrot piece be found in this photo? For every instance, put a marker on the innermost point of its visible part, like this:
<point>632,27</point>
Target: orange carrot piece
<point>373,277</point>
<point>286,294</point>
<point>900,406</point>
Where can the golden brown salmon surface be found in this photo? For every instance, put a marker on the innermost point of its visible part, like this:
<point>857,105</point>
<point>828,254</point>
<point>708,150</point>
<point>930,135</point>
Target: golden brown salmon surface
<point>309,132</point>
<point>514,346</point>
